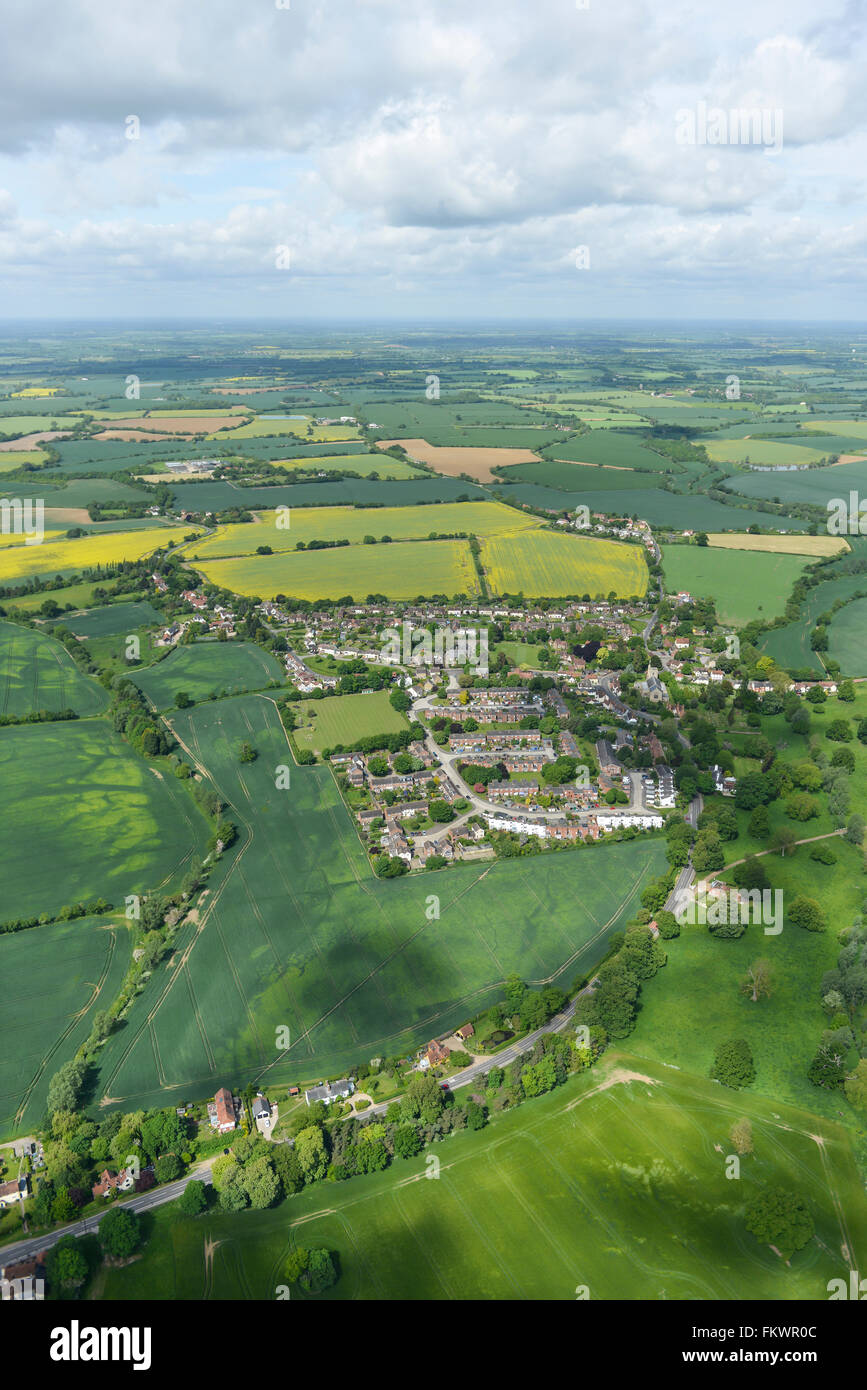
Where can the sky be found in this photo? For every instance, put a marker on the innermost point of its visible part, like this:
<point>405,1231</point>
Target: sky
<point>419,158</point>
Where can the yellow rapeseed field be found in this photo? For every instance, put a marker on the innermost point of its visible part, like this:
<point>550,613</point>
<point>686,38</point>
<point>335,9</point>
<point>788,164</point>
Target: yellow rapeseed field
<point>55,556</point>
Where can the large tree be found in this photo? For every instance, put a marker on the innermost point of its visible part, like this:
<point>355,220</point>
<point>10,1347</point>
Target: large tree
<point>780,1218</point>
<point>757,981</point>
<point>119,1232</point>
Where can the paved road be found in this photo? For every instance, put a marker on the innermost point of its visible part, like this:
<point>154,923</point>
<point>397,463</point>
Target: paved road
<point>508,1055</point>
<point>146,1201</point>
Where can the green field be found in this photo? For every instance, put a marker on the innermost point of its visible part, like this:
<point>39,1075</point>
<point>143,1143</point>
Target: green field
<point>75,595</point>
<point>575,477</point>
<point>298,932</point>
<point>353,524</point>
<point>37,673</point>
<point>765,452</point>
<point>208,668</point>
<point>696,1002</point>
<point>521,653</point>
<point>744,584</point>
<point>847,637</point>
<point>362,464</point>
<point>84,816</point>
<point>345,719</point>
<point>608,448</point>
<point>54,979</point>
<point>815,485</point>
<point>404,570</point>
<point>550,564</point>
<point>684,511</point>
<point>614,1185</point>
<point>111,620</point>
<point>790,645</point>
<point>345,492</point>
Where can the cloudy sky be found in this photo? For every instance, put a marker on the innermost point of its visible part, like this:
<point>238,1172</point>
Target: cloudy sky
<point>418,158</point>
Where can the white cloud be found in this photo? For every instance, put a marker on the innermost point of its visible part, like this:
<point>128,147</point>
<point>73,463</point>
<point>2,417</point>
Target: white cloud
<point>397,145</point>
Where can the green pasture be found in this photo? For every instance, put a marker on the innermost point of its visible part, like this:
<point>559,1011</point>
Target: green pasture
<point>697,1003</point>
<point>613,1186</point>
<point>208,668</point>
<point>345,719</point>
<point>112,619</point>
<point>744,584</point>
<point>574,477</point>
<point>790,645</point>
<point>609,449</point>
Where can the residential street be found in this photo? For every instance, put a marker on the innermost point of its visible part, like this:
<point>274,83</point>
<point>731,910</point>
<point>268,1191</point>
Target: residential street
<point>146,1201</point>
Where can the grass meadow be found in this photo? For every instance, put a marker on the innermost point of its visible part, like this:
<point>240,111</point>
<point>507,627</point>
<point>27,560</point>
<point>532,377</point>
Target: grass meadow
<point>614,1183</point>
<point>345,719</point>
<point>112,620</point>
<point>207,668</point>
<point>744,585</point>
<point>790,645</point>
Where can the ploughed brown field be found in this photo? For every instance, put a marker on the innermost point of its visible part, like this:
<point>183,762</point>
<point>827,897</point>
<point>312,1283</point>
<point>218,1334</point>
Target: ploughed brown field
<point>452,462</point>
<point>153,427</point>
<point>27,441</point>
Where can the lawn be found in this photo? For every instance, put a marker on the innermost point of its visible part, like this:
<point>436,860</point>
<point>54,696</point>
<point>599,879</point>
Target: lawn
<point>37,673</point>
<point>403,570</point>
<point>85,817</point>
<point>353,524</point>
<point>54,979</point>
<point>743,585</point>
<point>208,668</point>
<point>345,719</point>
<point>297,932</point>
<point>611,1185</point>
<point>549,564</point>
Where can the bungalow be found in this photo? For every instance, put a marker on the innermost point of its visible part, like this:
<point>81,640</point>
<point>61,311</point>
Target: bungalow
<point>329,1092</point>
